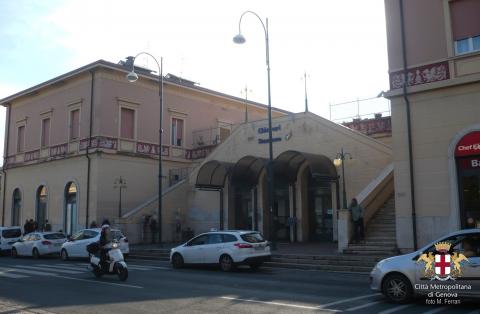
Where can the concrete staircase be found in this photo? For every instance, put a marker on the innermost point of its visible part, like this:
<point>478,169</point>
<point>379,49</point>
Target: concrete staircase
<point>380,237</point>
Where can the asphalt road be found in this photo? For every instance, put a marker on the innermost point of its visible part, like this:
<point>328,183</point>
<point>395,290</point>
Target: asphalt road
<point>50,285</point>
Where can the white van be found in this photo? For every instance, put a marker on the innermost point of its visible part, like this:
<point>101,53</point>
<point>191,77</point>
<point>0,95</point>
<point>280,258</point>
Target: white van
<point>8,236</point>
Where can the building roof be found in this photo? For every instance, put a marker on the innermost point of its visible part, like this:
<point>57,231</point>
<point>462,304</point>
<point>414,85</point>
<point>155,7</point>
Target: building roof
<point>122,66</point>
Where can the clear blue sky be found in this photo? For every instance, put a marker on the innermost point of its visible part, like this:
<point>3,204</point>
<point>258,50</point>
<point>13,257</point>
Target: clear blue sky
<point>341,44</point>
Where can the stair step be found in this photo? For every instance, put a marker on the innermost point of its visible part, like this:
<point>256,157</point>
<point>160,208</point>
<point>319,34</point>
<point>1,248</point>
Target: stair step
<point>340,268</point>
<point>324,262</point>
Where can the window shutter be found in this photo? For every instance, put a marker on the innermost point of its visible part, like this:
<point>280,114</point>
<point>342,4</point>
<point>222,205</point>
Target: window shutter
<point>465,16</point>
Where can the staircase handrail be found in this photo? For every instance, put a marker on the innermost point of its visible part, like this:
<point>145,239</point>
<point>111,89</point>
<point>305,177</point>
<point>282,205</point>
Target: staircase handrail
<point>153,199</point>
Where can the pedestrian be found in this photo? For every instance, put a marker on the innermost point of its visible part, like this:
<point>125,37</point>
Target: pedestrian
<point>105,222</point>
<point>47,227</point>
<point>153,228</point>
<point>26,227</point>
<point>34,225</point>
<point>357,217</point>
<point>93,224</point>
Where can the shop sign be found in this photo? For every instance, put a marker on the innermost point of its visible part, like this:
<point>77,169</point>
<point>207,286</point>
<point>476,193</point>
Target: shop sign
<point>469,145</point>
<point>470,163</point>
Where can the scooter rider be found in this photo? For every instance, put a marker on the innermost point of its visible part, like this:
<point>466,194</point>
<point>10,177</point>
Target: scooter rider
<point>105,242</point>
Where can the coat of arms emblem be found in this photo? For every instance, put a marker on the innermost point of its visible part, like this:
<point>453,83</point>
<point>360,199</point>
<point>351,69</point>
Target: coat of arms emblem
<point>442,265</point>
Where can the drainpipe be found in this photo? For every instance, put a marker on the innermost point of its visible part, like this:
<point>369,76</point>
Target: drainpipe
<point>409,126</point>
<point>87,215</point>
<point>5,158</point>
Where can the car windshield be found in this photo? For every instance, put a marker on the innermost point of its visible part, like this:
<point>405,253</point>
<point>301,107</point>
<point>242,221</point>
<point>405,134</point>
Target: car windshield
<point>11,233</point>
<point>253,237</point>
<point>54,236</point>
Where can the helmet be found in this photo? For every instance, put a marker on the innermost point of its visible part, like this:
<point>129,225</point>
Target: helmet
<point>105,227</point>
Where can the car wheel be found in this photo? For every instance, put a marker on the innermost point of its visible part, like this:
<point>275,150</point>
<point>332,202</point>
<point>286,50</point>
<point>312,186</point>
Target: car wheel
<point>177,261</point>
<point>64,255</point>
<point>14,252</point>
<point>35,253</point>
<point>397,288</point>
<point>226,263</point>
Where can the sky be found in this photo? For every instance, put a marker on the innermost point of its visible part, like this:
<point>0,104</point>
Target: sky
<point>341,45</point>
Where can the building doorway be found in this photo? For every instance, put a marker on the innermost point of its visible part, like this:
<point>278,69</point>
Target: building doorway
<point>16,207</point>
<point>320,210</point>
<point>467,157</point>
<point>41,212</point>
<point>70,216</point>
<point>281,210</point>
<point>243,208</point>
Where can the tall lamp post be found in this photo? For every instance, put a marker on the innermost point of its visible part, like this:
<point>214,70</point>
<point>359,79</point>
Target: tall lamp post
<point>121,184</point>
<point>240,39</point>
<point>340,161</point>
<point>132,77</point>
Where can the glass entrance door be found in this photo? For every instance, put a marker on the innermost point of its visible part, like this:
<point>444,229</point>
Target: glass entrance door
<point>469,190</point>
<point>281,211</point>
<point>243,208</point>
<point>320,211</point>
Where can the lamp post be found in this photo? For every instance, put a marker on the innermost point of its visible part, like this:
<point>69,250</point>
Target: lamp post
<point>121,184</point>
<point>132,77</point>
<point>340,161</point>
<point>240,39</point>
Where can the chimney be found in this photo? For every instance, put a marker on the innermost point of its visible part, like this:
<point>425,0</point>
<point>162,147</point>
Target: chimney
<point>129,62</point>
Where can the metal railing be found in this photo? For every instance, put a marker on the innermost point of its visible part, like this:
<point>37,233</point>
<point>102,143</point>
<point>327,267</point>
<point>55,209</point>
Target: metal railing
<point>211,137</point>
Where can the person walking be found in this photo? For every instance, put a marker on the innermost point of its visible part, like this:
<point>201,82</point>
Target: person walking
<point>47,227</point>
<point>357,217</point>
<point>26,227</point>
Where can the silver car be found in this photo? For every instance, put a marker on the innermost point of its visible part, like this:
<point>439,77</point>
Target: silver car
<point>401,278</point>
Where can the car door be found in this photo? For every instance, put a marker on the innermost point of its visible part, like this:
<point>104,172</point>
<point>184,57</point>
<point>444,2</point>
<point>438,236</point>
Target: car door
<point>28,245</point>
<point>193,252</point>
<point>89,236</point>
<point>20,246</point>
<point>469,246</point>
<point>213,248</point>
<point>75,244</point>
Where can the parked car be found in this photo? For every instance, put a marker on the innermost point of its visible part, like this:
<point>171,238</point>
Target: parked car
<point>8,236</point>
<point>37,244</point>
<point>401,278</point>
<point>225,248</point>
<point>76,246</point>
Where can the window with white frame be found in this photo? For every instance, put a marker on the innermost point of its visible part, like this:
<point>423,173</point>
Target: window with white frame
<point>177,132</point>
<point>465,23</point>
<point>74,124</point>
<point>127,123</point>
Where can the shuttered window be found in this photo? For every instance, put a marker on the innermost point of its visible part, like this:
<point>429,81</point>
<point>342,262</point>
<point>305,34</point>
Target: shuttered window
<point>20,138</point>
<point>127,128</point>
<point>45,132</point>
<point>74,124</point>
<point>465,15</point>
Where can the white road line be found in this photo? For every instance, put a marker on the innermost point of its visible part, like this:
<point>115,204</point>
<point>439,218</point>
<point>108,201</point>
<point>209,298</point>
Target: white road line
<point>298,306</point>
<point>348,300</point>
<point>74,270</point>
<point>62,271</point>
<point>436,310</point>
<point>101,282</point>
<point>395,309</point>
<point>6,273</point>
<point>30,272</point>
<point>363,306</point>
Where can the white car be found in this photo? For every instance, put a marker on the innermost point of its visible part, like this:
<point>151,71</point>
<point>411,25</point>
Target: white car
<point>76,246</point>
<point>8,236</point>
<point>36,244</point>
<point>224,248</point>
<point>400,278</point>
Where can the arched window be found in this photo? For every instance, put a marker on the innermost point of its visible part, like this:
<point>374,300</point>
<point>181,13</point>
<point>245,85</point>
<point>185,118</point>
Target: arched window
<point>41,212</point>
<point>70,216</point>
<point>16,207</point>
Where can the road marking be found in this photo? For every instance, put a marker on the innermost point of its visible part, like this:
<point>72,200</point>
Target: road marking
<point>137,267</point>
<point>362,306</point>
<point>298,306</point>
<point>435,310</point>
<point>395,309</point>
<point>26,271</point>
<point>6,273</point>
<point>64,266</point>
<point>348,300</point>
<point>62,271</point>
<point>101,282</point>
<point>66,270</point>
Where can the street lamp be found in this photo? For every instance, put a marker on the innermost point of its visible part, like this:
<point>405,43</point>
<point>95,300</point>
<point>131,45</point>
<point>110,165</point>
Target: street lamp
<point>121,184</point>
<point>340,161</point>
<point>132,77</point>
<point>240,39</point>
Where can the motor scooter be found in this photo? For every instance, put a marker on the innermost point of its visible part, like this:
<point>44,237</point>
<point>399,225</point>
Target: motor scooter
<point>114,264</point>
